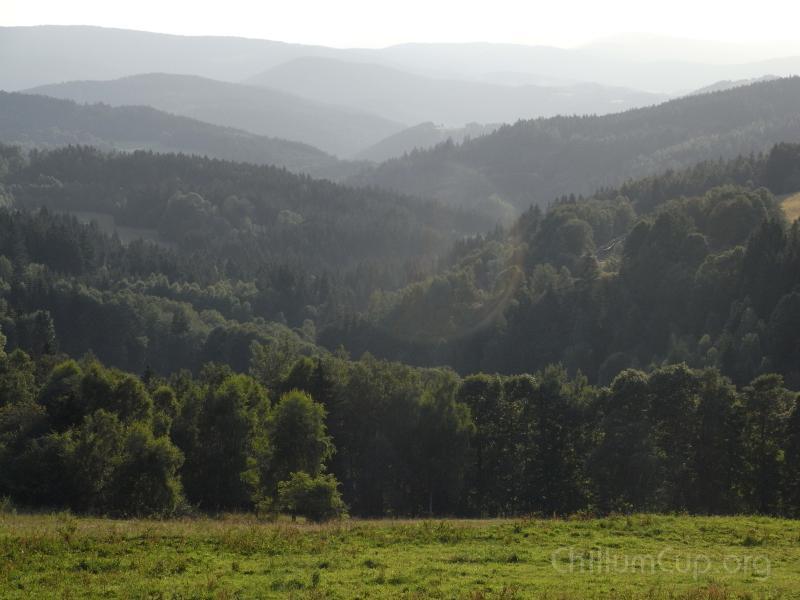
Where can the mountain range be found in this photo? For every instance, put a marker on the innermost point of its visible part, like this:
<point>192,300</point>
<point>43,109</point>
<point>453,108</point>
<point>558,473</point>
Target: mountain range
<point>43,122</point>
<point>50,54</point>
<point>411,98</point>
<point>333,129</point>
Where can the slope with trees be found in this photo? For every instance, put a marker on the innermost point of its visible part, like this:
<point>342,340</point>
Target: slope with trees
<point>420,137</point>
<point>341,131</point>
<point>533,162</point>
<point>672,309</point>
<point>696,265</point>
<point>244,253</point>
<point>41,122</point>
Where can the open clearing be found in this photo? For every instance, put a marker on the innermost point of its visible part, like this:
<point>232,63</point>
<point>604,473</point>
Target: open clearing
<point>641,556</point>
<point>791,207</point>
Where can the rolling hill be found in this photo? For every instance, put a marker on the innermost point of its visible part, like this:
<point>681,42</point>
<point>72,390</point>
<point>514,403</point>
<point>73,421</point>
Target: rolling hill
<point>533,162</point>
<point>407,97</point>
<point>721,86</point>
<point>56,53</point>
<point>638,67</point>
<point>421,137</point>
<point>40,121</point>
<point>336,130</point>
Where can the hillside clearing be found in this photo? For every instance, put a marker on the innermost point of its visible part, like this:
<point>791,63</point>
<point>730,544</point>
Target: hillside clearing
<point>791,207</point>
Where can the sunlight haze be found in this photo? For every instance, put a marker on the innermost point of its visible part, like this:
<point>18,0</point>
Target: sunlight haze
<point>364,23</point>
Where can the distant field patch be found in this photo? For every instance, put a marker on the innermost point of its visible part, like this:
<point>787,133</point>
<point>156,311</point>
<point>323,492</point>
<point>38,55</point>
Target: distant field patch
<point>628,557</point>
<point>791,207</point>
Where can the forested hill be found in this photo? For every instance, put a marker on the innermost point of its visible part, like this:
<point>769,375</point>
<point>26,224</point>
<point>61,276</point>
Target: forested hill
<point>533,162</point>
<point>241,213</point>
<point>598,284</point>
<point>422,136</point>
<point>698,266</point>
<point>339,130</point>
<point>41,121</point>
<point>242,253</point>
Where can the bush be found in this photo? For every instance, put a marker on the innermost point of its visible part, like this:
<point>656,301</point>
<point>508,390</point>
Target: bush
<point>315,498</point>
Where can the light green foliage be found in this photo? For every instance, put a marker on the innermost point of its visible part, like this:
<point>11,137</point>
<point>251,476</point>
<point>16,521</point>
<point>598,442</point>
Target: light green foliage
<point>316,498</point>
<point>270,362</point>
<point>238,557</point>
<point>298,436</point>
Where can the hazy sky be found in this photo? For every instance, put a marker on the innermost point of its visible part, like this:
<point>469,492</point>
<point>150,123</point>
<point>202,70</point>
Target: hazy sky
<point>375,23</point>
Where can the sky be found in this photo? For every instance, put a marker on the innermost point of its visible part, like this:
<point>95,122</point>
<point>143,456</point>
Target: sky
<point>377,23</point>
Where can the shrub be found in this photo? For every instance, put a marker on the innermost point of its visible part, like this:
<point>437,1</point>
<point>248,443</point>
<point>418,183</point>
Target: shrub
<point>316,498</point>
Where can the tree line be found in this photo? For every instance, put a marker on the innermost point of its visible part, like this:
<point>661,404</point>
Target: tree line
<point>317,437</point>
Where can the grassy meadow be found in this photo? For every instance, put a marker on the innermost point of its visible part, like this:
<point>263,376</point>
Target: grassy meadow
<point>641,556</point>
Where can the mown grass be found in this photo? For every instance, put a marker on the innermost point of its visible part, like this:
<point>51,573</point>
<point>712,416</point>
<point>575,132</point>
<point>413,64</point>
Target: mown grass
<point>60,556</point>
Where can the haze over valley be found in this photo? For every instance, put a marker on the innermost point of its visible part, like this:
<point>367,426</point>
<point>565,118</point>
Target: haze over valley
<point>344,101</point>
<point>433,300</point>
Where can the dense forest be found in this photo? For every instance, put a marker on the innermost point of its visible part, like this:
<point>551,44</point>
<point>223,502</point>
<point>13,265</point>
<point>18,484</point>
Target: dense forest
<point>241,252</point>
<point>697,265</point>
<point>534,161</point>
<point>644,336</point>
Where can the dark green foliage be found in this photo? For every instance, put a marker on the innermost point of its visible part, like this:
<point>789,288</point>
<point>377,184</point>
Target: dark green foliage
<point>791,480</point>
<point>145,481</point>
<point>240,250</point>
<point>437,446</point>
<point>766,410</point>
<point>224,422</point>
<point>83,439</point>
<point>625,463</point>
<point>685,308</point>
<point>408,441</point>
<point>782,172</point>
<point>709,280</point>
<point>236,214</point>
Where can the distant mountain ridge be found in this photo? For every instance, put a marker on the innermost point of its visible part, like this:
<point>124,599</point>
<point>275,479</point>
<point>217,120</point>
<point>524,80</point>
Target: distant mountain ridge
<point>47,54</point>
<point>41,55</point>
<point>337,130</point>
<point>410,98</point>
<point>40,121</point>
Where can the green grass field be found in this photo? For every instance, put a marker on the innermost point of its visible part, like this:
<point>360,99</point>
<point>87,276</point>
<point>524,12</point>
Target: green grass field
<point>642,556</point>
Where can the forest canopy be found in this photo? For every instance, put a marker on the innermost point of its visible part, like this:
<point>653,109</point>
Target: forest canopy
<point>646,329</point>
